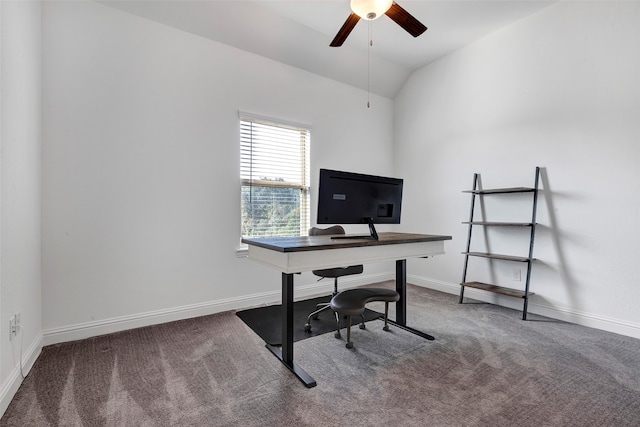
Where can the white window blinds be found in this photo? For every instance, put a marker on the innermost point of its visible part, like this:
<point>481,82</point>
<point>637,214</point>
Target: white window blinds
<point>274,169</point>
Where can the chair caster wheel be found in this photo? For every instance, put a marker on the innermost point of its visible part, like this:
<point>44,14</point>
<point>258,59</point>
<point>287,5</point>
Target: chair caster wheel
<point>307,327</point>
<point>362,326</point>
<point>337,335</point>
<point>349,345</point>
<point>386,328</point>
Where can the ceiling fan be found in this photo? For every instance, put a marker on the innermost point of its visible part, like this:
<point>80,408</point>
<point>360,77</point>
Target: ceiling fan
<point>372,9</point>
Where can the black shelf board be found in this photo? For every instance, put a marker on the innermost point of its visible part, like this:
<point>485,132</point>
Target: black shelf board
<point>498,256</point>
<point>502,224</point>
<point>497,289</point>
<point>502,190</point>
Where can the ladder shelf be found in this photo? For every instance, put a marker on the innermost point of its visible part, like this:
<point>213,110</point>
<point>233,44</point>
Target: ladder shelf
<point>503,290</point>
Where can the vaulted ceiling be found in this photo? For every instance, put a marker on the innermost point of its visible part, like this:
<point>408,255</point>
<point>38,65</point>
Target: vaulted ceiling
<point>298,32</point>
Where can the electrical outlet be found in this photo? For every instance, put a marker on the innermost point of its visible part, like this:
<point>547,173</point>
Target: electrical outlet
<point>517,275</point>
<point>12,328</point>
<point>14,325</point>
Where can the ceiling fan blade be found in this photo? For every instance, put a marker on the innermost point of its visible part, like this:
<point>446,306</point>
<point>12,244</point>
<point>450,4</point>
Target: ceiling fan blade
<point>344,32</point>
<point>405,20</point>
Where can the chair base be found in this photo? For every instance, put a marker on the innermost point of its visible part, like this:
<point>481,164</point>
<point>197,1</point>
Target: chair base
<point>361,326</point>
<point>314,315</point>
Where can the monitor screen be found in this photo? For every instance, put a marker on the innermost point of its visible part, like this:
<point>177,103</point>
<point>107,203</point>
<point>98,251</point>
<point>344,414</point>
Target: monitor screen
<point>352,198</point>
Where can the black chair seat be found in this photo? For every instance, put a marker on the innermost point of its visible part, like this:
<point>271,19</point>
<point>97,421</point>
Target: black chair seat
<point>351,302</point>
<point>339,271</point>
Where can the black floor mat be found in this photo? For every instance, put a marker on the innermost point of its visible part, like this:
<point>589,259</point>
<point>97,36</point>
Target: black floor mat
<point>266,321</point>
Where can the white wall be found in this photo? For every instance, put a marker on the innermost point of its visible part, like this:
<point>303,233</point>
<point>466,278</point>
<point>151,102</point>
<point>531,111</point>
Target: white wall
<point>141,167</point>
<point>561,90</point>
<point>20,133</point>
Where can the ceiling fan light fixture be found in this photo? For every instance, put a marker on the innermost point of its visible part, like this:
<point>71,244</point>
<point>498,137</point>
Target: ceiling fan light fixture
<point>370,9</point>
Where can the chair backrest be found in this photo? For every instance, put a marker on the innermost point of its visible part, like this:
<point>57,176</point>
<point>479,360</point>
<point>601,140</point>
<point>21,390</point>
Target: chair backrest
<point>335,229</point>
<point>338,271</point>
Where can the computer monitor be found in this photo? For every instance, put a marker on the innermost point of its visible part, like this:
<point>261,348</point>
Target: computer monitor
<point>353,198</point>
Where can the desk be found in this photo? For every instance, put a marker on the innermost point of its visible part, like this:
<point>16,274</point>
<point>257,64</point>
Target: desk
<point>292,255</point>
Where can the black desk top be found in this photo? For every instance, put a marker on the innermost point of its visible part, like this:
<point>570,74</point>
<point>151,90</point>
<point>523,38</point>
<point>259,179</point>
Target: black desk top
<point>314,243</point>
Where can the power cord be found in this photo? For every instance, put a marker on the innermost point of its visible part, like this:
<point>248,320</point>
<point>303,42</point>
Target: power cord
<point>21,339</point>
<point>19,329</point>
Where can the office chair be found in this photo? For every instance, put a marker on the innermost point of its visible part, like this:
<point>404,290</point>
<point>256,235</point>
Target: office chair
<point>329,272</point>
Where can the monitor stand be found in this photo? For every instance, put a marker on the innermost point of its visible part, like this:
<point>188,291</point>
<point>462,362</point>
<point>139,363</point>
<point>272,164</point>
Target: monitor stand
<point>372,230</point>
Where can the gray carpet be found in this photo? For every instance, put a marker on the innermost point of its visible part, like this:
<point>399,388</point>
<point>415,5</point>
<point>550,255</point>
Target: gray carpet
<point>485,368</point>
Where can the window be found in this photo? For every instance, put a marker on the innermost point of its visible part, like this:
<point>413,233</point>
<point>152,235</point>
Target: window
<point>274,170</point>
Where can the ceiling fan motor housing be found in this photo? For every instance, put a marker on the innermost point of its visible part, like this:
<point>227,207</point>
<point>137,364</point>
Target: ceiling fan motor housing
<point>370,9</point>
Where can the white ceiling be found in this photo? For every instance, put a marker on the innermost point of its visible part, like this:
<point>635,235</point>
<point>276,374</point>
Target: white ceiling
<point>298,32</point>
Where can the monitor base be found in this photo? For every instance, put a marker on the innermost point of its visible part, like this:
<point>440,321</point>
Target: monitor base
<point>373,235</point>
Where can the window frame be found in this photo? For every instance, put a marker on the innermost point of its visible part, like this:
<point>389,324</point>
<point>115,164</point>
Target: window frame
<point>302,172</point>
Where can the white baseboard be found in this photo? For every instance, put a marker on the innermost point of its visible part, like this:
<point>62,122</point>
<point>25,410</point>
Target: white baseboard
<point>14,380</point>
<point>92,329</point>
<point>604,323</point>
<point>117,324</point>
